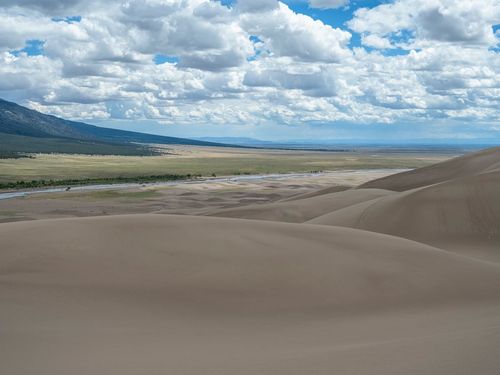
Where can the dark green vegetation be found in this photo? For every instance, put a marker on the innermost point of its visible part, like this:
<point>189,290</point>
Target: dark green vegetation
<point>26,130</point>
<point>6,154</point>
<point>95,181</point>
<point>15,145</point>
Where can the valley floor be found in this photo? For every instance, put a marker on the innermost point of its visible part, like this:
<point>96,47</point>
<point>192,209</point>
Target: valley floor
<point>182,197</point>
<point>210,161</point>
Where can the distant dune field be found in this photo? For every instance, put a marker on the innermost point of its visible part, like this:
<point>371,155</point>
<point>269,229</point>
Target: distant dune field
<point>398,276</point>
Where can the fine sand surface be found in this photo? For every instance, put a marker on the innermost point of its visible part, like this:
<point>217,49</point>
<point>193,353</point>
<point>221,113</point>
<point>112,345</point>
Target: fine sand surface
<point>462,213</point>
<point>464,166</point>
<point>305,208</point>
<point>398,276</point>
<point>194,295</point>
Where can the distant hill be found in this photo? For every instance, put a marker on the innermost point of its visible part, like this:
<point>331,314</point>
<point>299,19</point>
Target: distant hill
<point>26,130</point>
<point>241,141</point>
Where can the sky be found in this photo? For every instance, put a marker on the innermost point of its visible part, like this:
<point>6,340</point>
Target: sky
<point>394,70</point>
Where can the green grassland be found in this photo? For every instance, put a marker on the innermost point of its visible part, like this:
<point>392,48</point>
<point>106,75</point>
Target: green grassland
<point>62,169</point>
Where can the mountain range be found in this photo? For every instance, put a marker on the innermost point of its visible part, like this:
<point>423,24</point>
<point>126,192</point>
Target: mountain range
<point>24,130</point>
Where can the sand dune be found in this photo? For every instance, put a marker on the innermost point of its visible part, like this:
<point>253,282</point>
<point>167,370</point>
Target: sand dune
<point>324,282</point>
<point>315,193</point>
<point>462,214</point>
<point>469,165</point>
<point>303,208</point>
<point>191,295</point>
<point>291,265</point>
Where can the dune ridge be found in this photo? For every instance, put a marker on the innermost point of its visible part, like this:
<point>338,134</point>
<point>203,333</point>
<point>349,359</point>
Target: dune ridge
<point>461,214</point>
<point>464,166</point>
<point>198,295</point>
<point>328,266</point>
<point>453,205</point>
<point>299,210</point>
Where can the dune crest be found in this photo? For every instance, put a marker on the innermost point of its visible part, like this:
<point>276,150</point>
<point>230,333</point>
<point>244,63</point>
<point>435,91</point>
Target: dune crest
<point>228,261</point>
<point>299,210</point>
<point>465,166</point>
<point>198,295</point>
<point>462,214</point>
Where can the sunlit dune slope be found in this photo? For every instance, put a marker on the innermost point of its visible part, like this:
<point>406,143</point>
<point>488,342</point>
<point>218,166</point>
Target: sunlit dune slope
<point>463,213</point>
<point>468,165</point>
<point>192,295</point>
<point>303,209</point>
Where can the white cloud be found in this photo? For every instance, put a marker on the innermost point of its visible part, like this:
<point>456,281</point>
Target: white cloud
<point>372,40</point>
<point>431,21</point>
<point>286,33</point>
<point>256,63</point>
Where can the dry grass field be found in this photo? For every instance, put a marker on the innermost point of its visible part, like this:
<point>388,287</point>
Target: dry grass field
<point>204,161</point>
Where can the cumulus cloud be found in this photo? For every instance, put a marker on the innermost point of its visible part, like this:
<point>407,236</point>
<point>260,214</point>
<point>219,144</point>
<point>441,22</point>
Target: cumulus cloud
<point>437,24</point>
<point>431,21</point>
<point>375,41</point>
<point>286,33</point>
<point>48,5</point>
<point>255,62</point>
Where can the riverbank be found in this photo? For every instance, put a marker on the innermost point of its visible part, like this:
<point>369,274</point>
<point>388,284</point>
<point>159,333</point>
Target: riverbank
<point>179,162</point>
<point>175,180</point>
<point>195,196</point>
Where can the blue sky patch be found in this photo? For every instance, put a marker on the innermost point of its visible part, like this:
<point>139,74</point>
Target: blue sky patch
<point>333,17</point>
<point>71,19</point>
<point>33,47</point>
<point>496,30</point>
<point>254,57</point>
<point>162,59</point>
<point>402,36</point>
<point>395,52</point>
<point>255,39</point>
<point>227,3</point>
